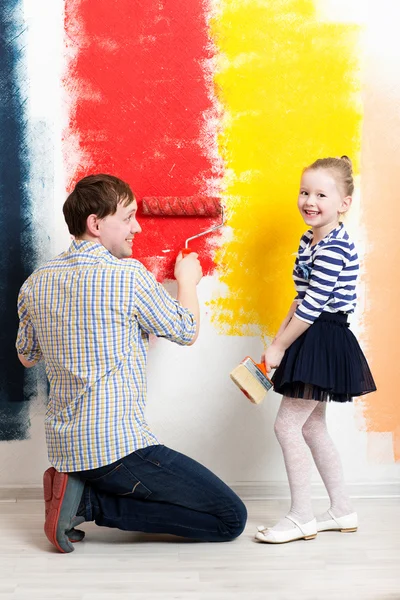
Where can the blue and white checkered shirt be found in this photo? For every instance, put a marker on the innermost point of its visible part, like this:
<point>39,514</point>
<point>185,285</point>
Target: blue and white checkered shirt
<point>89,315</point>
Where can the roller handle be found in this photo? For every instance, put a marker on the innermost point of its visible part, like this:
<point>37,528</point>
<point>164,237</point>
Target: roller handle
<point>186,251</point>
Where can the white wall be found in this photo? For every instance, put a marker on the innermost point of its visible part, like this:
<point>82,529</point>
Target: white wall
<point>193,406</point>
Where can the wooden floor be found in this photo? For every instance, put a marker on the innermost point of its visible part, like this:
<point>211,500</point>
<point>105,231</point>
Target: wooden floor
<point>111,564</point>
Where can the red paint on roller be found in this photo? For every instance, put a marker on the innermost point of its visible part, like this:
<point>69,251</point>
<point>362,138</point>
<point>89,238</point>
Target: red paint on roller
<point>182,207</point>
<point>140,98</point>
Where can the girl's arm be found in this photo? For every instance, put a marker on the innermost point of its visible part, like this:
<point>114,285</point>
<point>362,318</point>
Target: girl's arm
<point>274,353</point>
<point>327,267</point>
<point>294,329</point>
<point>287,319</point>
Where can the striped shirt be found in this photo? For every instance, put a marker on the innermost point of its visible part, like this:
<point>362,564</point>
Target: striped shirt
<point>89,315</point>
<point>325,275</point>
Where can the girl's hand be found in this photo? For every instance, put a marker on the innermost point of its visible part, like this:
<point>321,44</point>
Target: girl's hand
<point>272,356</point>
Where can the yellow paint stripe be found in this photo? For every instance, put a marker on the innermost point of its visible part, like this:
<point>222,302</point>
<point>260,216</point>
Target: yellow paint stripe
<point>289,86</point>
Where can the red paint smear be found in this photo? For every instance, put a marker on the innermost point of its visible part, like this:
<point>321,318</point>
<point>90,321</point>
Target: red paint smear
<point>140,95</point>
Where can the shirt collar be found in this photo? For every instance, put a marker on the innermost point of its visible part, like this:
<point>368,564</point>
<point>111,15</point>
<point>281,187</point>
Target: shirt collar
<point>336,233</point>
<point>88,247</point>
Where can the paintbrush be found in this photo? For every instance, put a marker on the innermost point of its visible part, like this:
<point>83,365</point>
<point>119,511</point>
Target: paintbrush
<point>251,378</point>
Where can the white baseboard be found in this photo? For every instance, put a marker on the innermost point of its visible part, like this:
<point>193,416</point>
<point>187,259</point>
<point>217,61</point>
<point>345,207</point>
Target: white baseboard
<point>280,490</point>
<point>247,490</point>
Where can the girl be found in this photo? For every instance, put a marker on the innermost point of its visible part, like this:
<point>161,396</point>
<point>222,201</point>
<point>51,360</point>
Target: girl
<point>318,359</point>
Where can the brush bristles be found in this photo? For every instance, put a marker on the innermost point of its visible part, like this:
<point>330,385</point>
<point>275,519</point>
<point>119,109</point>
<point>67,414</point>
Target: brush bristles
<point>190,206</point>
<point>248,383</point>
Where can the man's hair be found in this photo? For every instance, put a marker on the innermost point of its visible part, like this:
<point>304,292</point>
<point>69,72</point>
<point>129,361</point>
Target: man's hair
<point>95,195</point>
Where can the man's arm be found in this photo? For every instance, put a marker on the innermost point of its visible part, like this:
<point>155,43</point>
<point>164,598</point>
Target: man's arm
<point>188,274</point>
<point>28,364</point>
<point>159,313</point>
<point>27,343</point>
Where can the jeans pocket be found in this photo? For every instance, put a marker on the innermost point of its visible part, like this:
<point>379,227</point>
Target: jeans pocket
<point>120,481</point>
<point>152,454</point>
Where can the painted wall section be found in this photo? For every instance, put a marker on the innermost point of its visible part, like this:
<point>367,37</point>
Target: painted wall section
<point>381,216</point>
<point>211,421</point>
<point>289,85</point>
<point>17,251</point>
<point>140,95</point>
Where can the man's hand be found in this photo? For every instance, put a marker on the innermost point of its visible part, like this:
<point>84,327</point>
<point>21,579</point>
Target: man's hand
<point>188,269</point>
<point>188,273</point>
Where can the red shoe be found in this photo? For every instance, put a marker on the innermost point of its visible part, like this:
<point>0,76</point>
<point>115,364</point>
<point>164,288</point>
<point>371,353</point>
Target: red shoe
<point>62,495</point>
<point>74,535</point>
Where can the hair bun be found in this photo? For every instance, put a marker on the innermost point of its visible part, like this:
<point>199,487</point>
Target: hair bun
<point>347,160</point>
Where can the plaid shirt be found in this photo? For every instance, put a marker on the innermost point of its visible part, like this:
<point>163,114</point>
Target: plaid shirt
<point>89,315</point>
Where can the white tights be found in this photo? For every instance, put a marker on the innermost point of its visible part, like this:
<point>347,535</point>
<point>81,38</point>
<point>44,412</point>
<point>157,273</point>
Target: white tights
<point>301,425</point>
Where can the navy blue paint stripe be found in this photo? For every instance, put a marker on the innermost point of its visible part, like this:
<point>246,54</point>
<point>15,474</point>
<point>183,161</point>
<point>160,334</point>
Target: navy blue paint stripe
<point>16,257</point>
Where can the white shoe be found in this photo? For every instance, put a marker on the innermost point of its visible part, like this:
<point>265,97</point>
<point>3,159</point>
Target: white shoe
<point>346,524</point>
<point>300,531</point>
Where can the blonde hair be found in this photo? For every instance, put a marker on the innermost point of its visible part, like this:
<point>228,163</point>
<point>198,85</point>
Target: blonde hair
<point>341,169</point>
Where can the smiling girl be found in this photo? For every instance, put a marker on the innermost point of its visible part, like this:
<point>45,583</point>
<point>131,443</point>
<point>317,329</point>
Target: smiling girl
<point>317,357</point>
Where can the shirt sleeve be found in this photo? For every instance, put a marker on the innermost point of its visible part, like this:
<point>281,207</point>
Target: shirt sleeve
<point>304,240</point>
<point>328,263</point>
<point>160,314</point>
<point>27,342</point>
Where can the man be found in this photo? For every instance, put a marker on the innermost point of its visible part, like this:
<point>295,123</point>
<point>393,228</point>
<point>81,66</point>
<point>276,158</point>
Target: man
<point>89,315</point>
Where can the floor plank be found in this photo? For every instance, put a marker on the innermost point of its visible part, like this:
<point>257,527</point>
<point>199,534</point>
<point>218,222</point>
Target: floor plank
<point>112,564</point>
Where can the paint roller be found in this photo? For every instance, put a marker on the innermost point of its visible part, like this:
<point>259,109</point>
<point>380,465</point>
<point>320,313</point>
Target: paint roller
<point>249,376</point>
<point>184,206</point>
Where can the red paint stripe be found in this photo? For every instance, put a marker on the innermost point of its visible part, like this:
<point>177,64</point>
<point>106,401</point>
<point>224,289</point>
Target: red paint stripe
<point>140,95</point>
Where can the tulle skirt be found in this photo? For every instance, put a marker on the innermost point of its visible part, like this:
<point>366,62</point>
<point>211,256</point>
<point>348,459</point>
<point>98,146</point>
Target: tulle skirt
<point>325,363</point>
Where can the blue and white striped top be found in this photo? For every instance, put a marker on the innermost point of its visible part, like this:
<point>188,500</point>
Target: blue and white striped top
<point>89,315</point>
<point>325,275</point>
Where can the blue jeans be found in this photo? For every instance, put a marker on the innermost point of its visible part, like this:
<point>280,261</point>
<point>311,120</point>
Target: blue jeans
<point>159,490</point>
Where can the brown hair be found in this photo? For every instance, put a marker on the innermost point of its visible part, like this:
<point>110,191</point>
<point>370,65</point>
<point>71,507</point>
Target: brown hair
<point>341,170</point>
<point>95,194</point>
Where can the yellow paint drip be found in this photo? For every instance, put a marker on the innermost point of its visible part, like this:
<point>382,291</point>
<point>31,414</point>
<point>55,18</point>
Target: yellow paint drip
<point>289,87</point>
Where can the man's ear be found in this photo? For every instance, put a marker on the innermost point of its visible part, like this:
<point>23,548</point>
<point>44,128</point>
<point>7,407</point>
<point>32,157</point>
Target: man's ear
<point>346,203</point>
<point>92,225</point>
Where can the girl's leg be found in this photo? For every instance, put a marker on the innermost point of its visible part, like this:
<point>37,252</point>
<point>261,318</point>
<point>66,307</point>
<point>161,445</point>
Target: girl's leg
<point>328,462</point>
<point>292,415</point>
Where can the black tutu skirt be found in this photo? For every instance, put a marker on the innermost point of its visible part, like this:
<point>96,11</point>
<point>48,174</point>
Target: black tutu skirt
<point>325,363</point>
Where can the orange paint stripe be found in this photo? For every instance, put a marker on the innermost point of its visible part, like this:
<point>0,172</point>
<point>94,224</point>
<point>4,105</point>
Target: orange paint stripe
<point>381,216</point>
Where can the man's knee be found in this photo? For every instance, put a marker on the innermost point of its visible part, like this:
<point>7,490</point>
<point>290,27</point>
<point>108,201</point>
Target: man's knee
<point>237,527</point>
